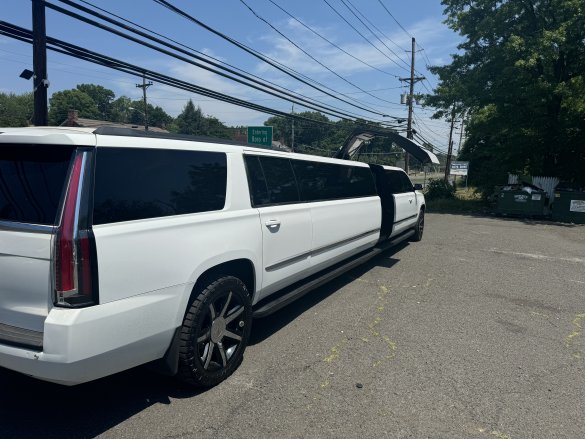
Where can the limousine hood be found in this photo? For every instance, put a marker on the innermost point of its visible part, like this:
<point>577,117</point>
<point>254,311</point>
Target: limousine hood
<point>356,140</point>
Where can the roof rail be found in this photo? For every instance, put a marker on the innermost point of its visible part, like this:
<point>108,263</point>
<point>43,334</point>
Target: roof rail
<point>129,132</point>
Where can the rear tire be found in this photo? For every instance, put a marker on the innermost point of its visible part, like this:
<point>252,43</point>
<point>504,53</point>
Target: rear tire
<point>420,226</point>
<point>215,333</point>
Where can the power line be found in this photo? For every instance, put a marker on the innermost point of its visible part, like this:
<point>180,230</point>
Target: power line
<point>307,53</point>
<point>289,96</point>
<point>69,49</point>
<point>329,41</point>
<point>204,54</point>
<point>394,18</point>
<point>361,34</point>
<point>279,66</point>
<point>370,30</point>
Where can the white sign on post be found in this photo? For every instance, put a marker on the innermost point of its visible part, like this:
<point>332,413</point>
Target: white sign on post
<point>459,168</point>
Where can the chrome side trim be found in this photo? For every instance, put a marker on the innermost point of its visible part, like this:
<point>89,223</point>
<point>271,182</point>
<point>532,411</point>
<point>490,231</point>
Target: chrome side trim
<point>319,250</point>
<point>11,335</point>
<point>25,227</point>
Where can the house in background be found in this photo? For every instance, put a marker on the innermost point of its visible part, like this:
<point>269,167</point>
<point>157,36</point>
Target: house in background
<point>73,120</point>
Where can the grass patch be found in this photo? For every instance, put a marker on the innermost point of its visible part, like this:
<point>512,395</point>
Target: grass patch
<point>465,201</point>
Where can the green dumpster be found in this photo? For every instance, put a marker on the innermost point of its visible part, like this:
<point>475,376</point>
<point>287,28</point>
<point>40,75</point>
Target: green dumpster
<point>521,199</point>
<point>569,206</point>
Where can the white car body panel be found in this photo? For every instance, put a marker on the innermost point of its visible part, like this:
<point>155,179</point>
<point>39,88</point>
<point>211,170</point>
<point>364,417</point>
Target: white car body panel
<point>147,268</point>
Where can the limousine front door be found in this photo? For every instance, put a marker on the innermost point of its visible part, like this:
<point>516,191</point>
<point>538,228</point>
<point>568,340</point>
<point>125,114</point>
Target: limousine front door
<point>286,244</point>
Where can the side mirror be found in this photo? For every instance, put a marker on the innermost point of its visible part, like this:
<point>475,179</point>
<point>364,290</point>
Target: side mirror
<point>418,187</point>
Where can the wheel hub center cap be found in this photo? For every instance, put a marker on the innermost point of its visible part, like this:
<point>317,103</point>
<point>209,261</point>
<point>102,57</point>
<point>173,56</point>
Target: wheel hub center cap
<point>217,329</point>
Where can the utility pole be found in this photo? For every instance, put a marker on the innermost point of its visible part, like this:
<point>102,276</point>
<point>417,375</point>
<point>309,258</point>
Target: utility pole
<point>292,142</point>
<point>144,86</point>
<point>412,80</point>
<point>450,151</point>
<point>40,82</point>
<point>461,132</point>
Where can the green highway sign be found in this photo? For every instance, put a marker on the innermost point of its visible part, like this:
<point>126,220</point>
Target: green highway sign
<point>260,136</point>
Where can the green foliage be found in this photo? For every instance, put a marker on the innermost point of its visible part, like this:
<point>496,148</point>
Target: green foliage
<point>438,189</point>
<point>16,110</point>
<point>102,97</point>
<point>63,101</point>
<point>520,74</point>
<point>191,120</point>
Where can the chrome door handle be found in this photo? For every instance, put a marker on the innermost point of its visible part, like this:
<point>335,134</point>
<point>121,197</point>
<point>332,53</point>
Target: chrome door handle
<point>272,223</point>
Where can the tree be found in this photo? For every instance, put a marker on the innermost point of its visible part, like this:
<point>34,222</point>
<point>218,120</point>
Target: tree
<point>102,97</point>
<point>521,74</point>
<point>63,101</point>
<point>191,120</point>
<point>16,110</point>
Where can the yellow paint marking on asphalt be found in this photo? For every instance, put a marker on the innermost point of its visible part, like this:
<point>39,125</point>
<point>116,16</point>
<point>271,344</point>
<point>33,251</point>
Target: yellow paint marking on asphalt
<point>334,355</point>
<point>500,435</point>
<point>494,433</point>
<point>578,326</point>
<point>534,313</point>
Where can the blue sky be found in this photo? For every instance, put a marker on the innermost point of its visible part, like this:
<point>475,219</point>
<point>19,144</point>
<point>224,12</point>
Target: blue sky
<point>421,19</point>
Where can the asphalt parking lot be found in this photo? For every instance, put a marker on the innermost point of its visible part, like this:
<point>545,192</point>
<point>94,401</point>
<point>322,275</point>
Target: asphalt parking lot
<point>475,332</point>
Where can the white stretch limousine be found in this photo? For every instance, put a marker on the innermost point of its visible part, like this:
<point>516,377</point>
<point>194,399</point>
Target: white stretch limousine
<point>120,250</point>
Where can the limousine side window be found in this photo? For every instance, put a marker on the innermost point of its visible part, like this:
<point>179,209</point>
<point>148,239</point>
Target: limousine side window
<point>134,183</point>
<point>398,181</point>
<point>276,175</point>
<point>272,181</point>
<point>328,181</point>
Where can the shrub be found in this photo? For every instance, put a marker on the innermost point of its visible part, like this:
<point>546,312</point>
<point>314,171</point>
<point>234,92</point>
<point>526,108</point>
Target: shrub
<point>438,189</point>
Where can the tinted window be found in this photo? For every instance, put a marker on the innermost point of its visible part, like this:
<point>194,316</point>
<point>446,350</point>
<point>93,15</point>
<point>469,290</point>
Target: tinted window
<point>361,182</point>
<point>32,180</point>
<point>394,181</point>
<point>406,183</point>
<point>256,181</point>
<point>280,180</point>
<point>133,184</point>
<point>329,181</point>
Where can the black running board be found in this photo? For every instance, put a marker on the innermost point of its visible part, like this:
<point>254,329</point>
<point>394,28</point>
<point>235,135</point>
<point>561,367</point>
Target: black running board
<point>325,276</point>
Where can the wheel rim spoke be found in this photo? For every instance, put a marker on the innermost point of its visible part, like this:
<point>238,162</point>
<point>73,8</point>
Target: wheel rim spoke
<point>209,355</point>
<point>225,307</point>
<point>212,311</point>
<point>205,336</point>
<point>222,354</point>
<point>234,315</point>
<point>232,335</point>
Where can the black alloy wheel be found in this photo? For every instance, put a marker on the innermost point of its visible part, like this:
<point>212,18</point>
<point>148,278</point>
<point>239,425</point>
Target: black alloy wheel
<point>215,333</point>
<point>420,226</point>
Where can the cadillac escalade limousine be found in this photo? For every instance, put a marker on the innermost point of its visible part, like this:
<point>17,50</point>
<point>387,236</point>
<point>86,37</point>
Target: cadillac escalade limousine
<point>120,250</point>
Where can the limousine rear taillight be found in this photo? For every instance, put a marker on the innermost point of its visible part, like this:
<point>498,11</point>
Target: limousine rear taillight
<point>74,261</point>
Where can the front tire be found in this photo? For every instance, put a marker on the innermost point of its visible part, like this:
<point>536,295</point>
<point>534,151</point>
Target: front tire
<point>215,333</point>
<point>420,226</point>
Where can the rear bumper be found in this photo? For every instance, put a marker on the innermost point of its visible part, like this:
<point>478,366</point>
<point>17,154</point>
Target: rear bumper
<point>85,344</point>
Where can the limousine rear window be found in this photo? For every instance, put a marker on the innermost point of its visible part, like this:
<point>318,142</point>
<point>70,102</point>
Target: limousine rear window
<point>133,183</point>
<point>32,180</point>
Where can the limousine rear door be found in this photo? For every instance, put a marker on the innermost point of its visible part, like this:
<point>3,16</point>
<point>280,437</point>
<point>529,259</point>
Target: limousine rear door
<point>286,224</point>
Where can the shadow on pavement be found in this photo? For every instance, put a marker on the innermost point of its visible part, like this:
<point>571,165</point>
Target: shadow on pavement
<point>265,327</point>
<point>32,408</point>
